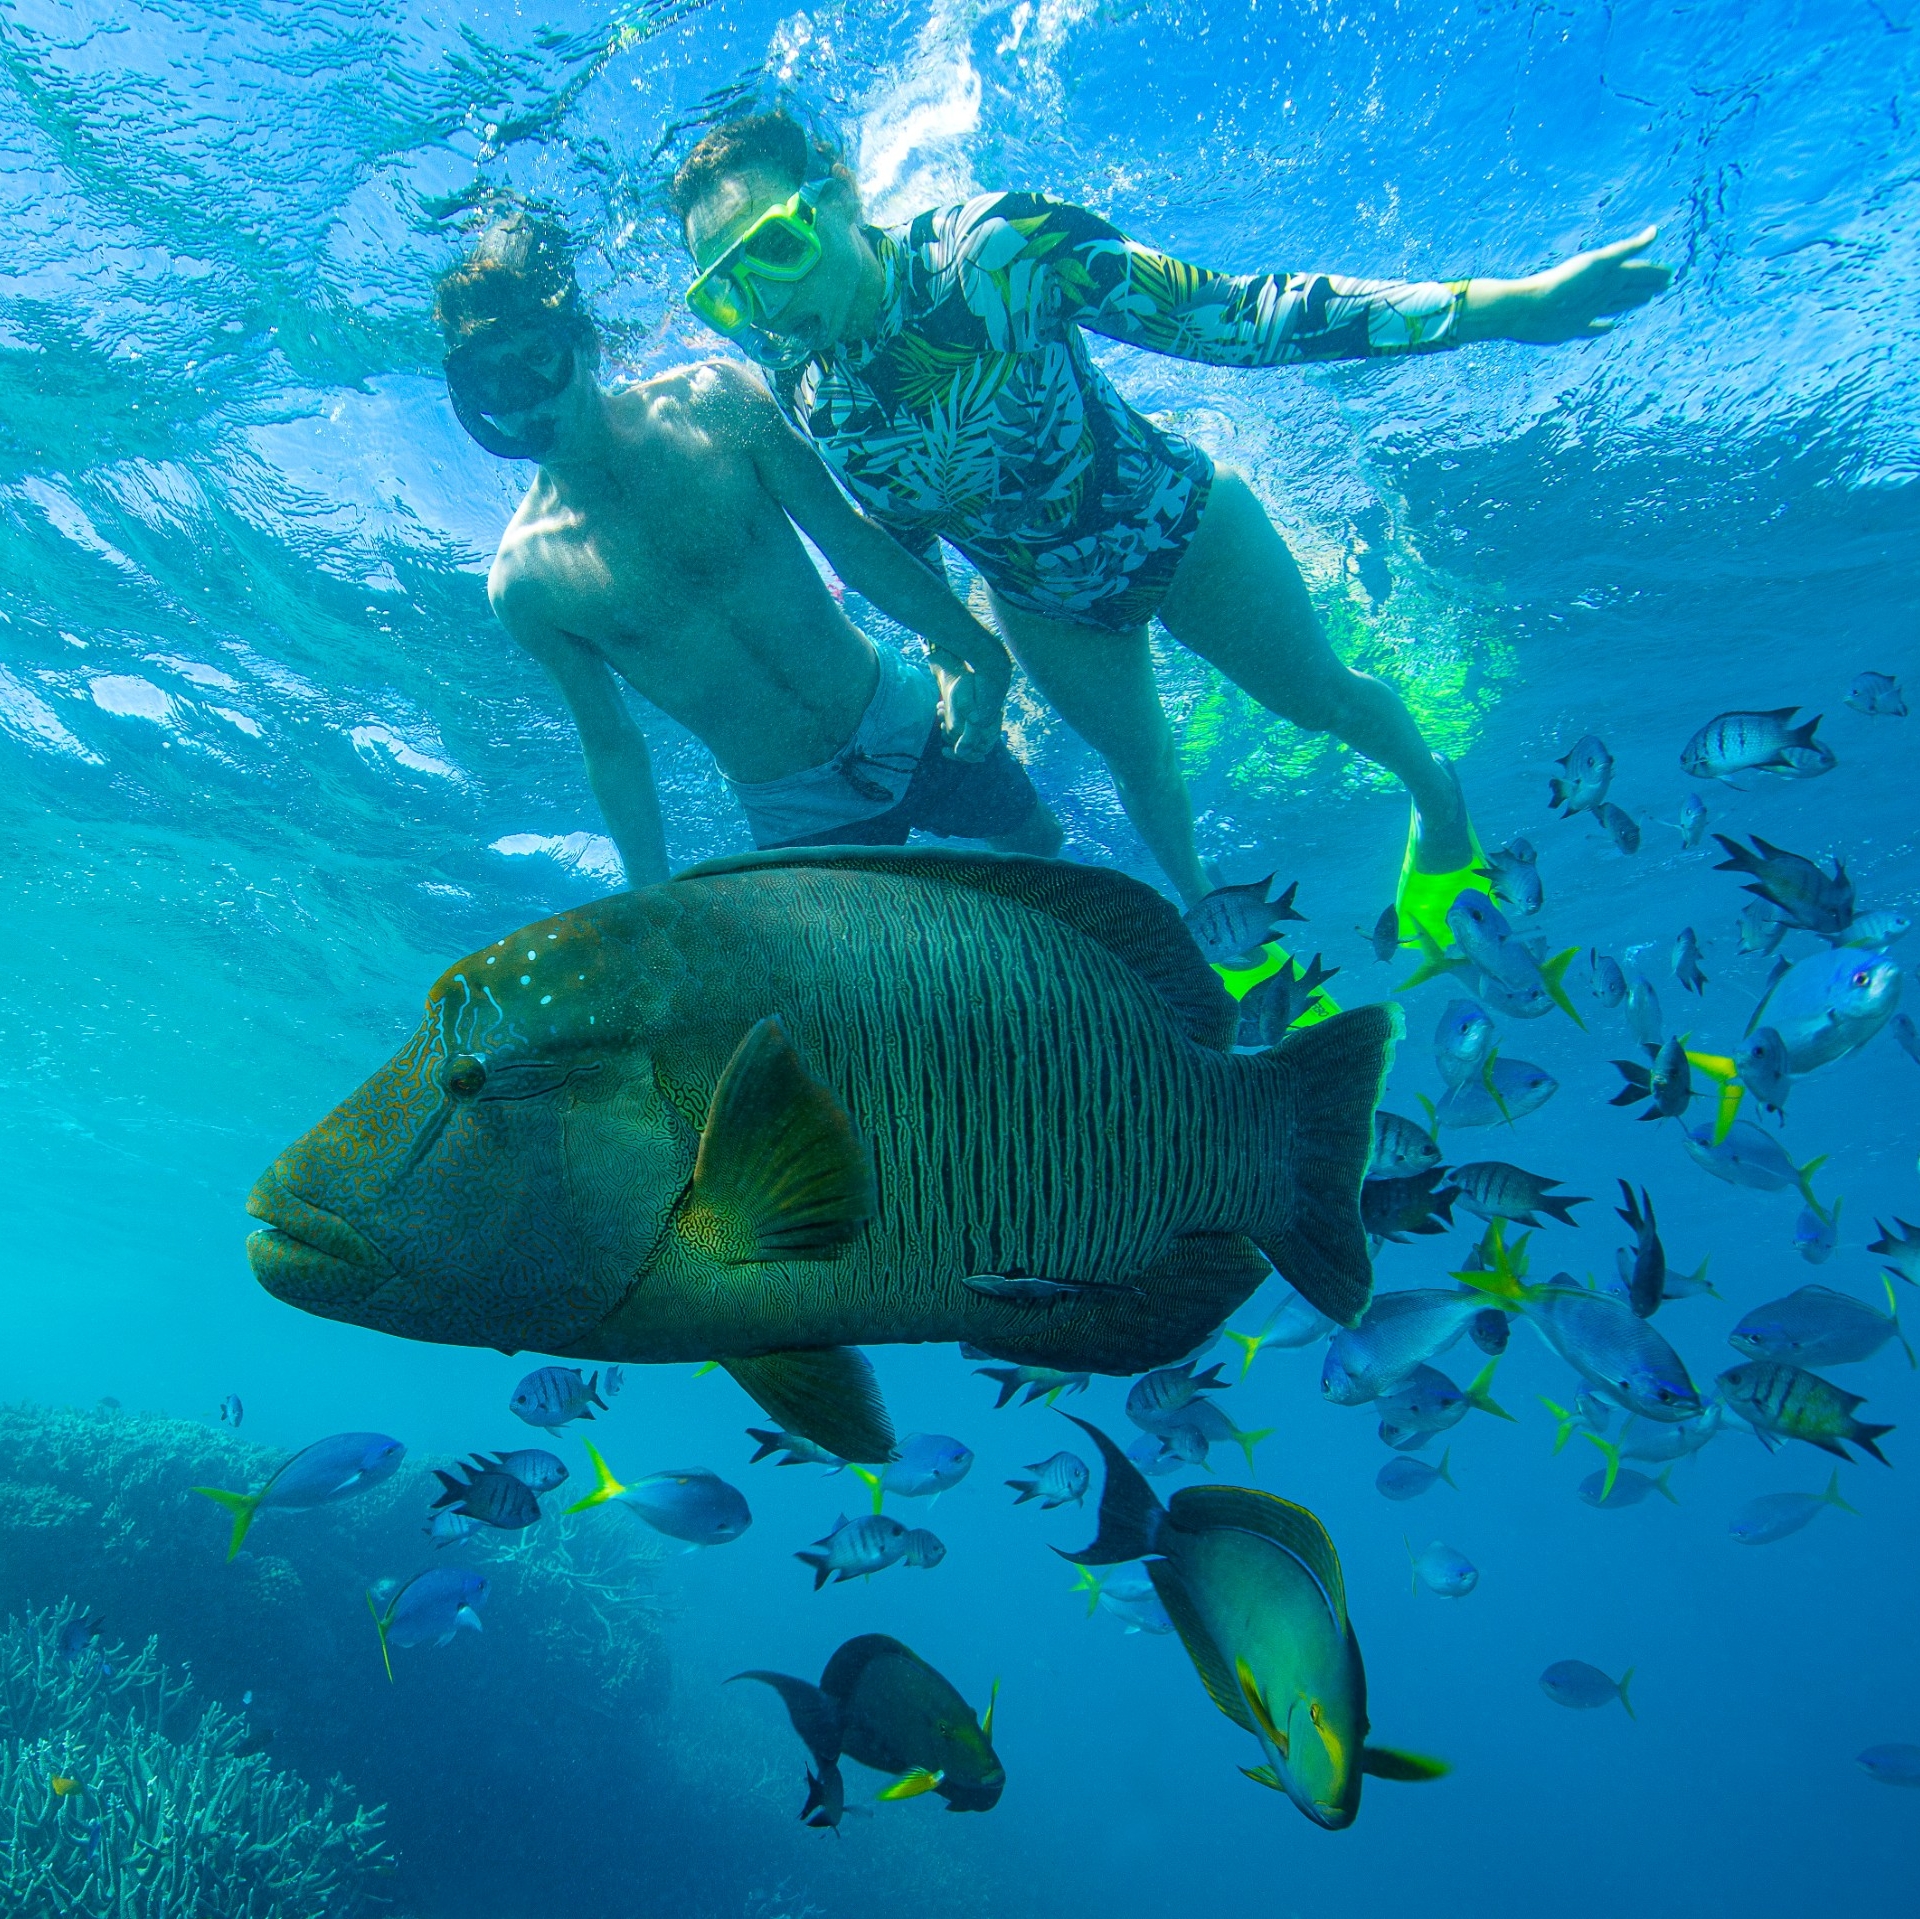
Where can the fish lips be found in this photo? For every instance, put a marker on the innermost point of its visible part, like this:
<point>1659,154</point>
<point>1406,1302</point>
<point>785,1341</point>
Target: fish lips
<point>309,1257</point>
<point>974,1795</point>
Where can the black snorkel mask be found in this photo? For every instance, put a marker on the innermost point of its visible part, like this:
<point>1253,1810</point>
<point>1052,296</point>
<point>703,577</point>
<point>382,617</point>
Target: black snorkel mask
<point>482,384</point>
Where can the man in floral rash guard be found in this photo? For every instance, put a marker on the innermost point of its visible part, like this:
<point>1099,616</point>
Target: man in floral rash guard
<point>941,370</point>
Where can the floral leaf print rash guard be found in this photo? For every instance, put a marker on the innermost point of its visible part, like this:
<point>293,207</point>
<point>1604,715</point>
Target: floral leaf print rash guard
<point>974,414</point>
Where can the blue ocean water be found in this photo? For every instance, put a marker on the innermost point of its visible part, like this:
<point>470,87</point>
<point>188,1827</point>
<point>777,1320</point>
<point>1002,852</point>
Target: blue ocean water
<point>269,765</point>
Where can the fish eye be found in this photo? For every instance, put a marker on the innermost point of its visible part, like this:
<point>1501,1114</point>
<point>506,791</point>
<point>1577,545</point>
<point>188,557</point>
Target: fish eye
<point>463,1076</point>
<point>1861,976</point>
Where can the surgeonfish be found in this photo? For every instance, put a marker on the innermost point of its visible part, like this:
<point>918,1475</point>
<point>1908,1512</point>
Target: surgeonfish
<point>730,1144</point>
<point>1787,1402</point>
<point>1572,1682</point>
<point>329,1469</point>
<point>687,1503</point>
<point>1776,1515</point>
<point>1254,1589</point>
<point>428,1610</point>
<point>880,1704</point>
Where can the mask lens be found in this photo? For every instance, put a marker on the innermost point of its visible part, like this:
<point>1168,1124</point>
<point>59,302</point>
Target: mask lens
<point>783,245</point>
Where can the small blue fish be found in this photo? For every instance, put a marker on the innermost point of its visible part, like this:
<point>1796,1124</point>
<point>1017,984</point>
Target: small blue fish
<point>428,1610</point>
<point>612,1380</point>
<point>1643,1011</point>
<point>1816,1232</point>
<point>1407,1477</point>
<point>925,1465</point>
<point>1797,889</point>
<point>1431,1403</point>
<point>686,1502</point>
<point>922,1550</point>
<point>1130,1597</point>
<point>1621,827</point>
<point>77,1636</point>
<point>1892,1765</point>
<point>1398,1333</point>
<point>1686,962</point>
<point>555,1396</point>
<point>1400,1148</point>
<point>1587,772</point>
<point>1059,1480</point>
<point>1878,929</point>
<point>1877,695</point>
<point>1761,1067</point>
<point>1657,1442</point>
<point>1157,1453</point>
<point>1692,822</point>
<point>856,1548</point>
<point>1295,1322</point>
<point>1385,937</point>
<point>329,1469</point>
<point>1605,981</point>
<point>1236,920</point>
<point>1615,1485</point>
<point>1817,1326</point>
<point>1748,1157</point>
<point>1513,1089</point>
<point>1732,743</point>
<point>1041,1382</point>
<point>1514,875</point>
<point>1572,1682</point>
<point>1203,1419</point>
<point>1463,1043</point>
<point>1777,1515</point>
<point>540,1472</point>
<point>449,1527</point>
<point>1443,1569</point>
<point>232,1412</point>
<point>493,1498</point>
<point>1167,1390</point>
<point>1908,1036</point>
<point>1761,928</point>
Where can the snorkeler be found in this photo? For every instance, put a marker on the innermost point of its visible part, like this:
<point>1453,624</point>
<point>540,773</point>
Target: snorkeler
<point>940,368</point>
<point>657,543</point>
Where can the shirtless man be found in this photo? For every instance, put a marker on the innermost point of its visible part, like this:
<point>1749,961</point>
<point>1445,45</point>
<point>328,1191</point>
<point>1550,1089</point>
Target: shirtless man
<point>657,543</point>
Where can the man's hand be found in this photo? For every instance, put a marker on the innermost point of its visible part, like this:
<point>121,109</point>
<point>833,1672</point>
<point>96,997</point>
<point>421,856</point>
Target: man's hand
<point>971,701</point>
<point>1572,301</point>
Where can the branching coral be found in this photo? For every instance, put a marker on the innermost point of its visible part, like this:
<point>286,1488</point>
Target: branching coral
<point>157,1813</point>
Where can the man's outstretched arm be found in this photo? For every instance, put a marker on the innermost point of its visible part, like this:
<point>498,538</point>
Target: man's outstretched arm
<point>971,661</point>
<point>619,767</point>
<point>1113,285</point>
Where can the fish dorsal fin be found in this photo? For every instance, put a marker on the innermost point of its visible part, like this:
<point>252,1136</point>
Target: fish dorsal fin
<point>827,1394</point>
<point>1131,921</point>
<point>1208,1660</point>
<point>781,1173</point>
<point>1291,1527</point>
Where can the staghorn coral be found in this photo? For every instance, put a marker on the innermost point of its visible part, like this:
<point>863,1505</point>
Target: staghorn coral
<point>168,1816</point>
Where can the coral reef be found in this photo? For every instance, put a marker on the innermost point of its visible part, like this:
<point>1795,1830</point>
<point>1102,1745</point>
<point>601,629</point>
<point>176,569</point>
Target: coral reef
<point>159,1811</point>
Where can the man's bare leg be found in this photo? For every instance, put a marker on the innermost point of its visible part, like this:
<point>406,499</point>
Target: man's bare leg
<point>1101,683</point>
<point>1237,600</point>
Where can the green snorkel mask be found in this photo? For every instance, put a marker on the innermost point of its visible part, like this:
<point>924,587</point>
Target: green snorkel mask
<point>738,293</point>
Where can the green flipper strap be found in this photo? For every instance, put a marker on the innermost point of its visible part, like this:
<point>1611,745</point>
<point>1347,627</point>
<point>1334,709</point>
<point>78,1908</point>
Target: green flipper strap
<point>1423,898</point>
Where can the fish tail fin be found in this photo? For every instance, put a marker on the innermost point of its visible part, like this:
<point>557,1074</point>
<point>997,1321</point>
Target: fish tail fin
<point>767,1443</point>
<point>1803,1178</point>
<point>1611,1454</point>
<point>1864,1437</point>
<point>593,1391</point>
<point>1247,1441</point>
<point>1558,1206</point>
<point>821,1569</point>
<point>1413,1567</point>
<point>1024,1489</point>
<point>1554,973</point>
<point>872,1480</point>
<point>1803,735</point>
<point>1318,1089</point>
<point>1130,1516</point>
<point>1565,1418</point>
<point>1087,1581</point>
<point>1480,1397</point>
<point>1249,1344</point>
<point>380,1626</point>
<point>605,1485</point>
<point>1664,1484</point>
<point>1559,792</point>
<point>1410,1768</point>
<point>242,1506</point>
<point>993,1700</point>
<point>1831,1497</point>
<point>1442,1469</point>
<point>1626,1679</point>
<point>1893,1313</point>
<point>1007,1378</point>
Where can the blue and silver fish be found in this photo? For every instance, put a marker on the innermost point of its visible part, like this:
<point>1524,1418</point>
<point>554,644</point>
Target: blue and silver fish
<point>1686,962</point>
<point>428,1610</point>
<point>554,1396</point>
<point>1777,1515</point>
<point>493,1498</point>
<point>1513,874</point>
<point>856,1548</point>
<point>1400,1148</point>
<point>1443,1569</point>
<point>1877,695</point>
<point>796,1449</point>
<point>922,1550</point>
<point>1167,1390</point>
<point>329,1469</point>
<point>1236,920</point>
<point>1817,1326</point>
<point>232,1412</point>
<point>1732,743</point>
<point>686,1502</point>
<point>1059,1480</point>
<point>1621,827</point>
<point>1586,774</point>
<point>1748,1157</point>
<point>1761,928</point>
<point>540,1472</point>
<point>1407,1477</point>
<point>1396,1336</point>
<point>1787,1402</point>
<point>1572,1682</point>
<point>1605,981</point>
<point>1513,1088</point>
<point>1830,1004</point>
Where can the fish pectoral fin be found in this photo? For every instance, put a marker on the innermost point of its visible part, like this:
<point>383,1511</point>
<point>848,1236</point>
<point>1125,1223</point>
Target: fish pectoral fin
<point>1413,1768</point>
<point>1257,1705</point>
<point>781,1172</point>
<point>1264,1776</point>
<point>827,1394</point>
